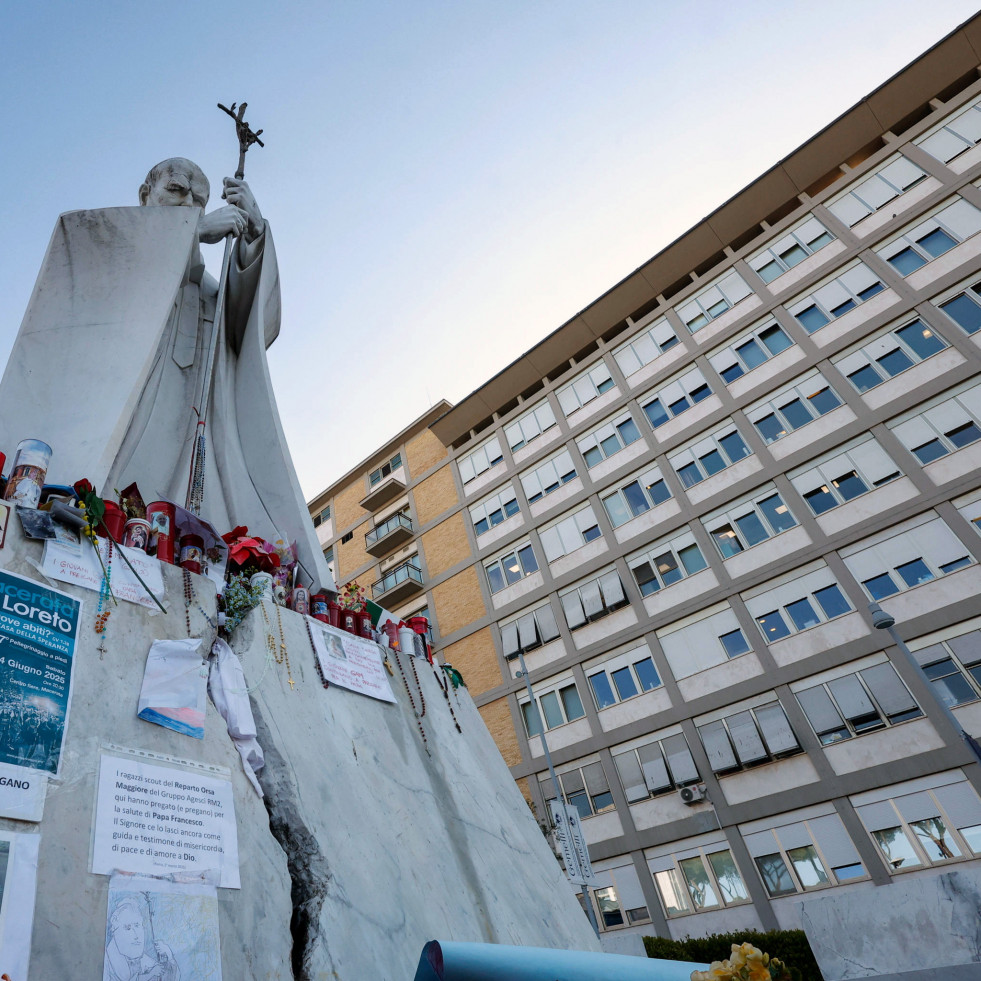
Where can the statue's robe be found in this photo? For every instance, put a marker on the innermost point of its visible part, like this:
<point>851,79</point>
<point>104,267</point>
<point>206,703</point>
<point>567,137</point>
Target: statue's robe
<point>110,358</point>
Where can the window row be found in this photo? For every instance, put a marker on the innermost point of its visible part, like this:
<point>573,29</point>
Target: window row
<point>836,298</point>
<point>932,237</point>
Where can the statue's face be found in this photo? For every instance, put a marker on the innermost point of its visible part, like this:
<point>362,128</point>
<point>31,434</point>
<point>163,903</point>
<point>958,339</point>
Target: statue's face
<point>171,189</point>
<point>128,933</point>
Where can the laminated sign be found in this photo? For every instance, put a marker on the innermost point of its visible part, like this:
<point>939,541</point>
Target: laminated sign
<point>38,634</point>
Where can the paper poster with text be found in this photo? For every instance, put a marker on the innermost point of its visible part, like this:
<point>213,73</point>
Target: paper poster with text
<point>350,661</point>
<point>157,819</point>
<point>38,633</point>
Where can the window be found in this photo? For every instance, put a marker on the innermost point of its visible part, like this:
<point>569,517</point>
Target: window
<point>965,308</point>
<point>584,388</point>
<point>792,248</point>
<point>836,298</point>
<point>480,460</point>
<point>636,496</point>
<point>528,631</point>
<point>750,351</point>
<point>548,476</point>
<point>608,439</point>
<point>804,855</point>
<point>916,552</point>
<point>925,827</point>
<point>793,408</point>
<point>709,456</point>
<point>666,562</point>
<point>931,238</point>
<point>675,398</point>
<point>877,190</point>
<point>703,640</point>
<point>385,470</point>
<point>608,906</point>
<point>749,523</point>
<point>494,510</point>
<point>585,788</point>
<point>645,347</point>
<point>619,896</point>
<point>942,426</point>
<point>329,559</point>
<point>556,706</point>
<point>530,426</point>
<point>319,519</point>
<point>954,668</point>
<point>958,134</point>
<point>856,469</point>
<point>346,538</point>
<point>747,738</point>
<point>623,676</point>
<point>657,767</point>
<point>593,600</point>
<point>802,602</point>
<point>889,355</point>
<point>857,703</point>
<point>714,301</point>
<point>511,567</point>
<point>569,533</point>
<point>706,880</point>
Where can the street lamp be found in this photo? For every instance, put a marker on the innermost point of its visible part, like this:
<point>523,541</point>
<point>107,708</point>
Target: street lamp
<point>559,793</point>
<point>886,621</point>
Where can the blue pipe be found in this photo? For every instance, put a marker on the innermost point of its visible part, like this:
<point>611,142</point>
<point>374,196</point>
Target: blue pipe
<point>444,960</point>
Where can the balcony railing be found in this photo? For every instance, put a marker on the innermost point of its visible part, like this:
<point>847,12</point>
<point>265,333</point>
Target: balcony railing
<point>405,579</point>
<point>390,533</point>
<point>385,491</point>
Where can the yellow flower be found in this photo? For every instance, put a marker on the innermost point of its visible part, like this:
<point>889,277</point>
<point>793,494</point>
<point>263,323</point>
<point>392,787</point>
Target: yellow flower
<point>718,971</point>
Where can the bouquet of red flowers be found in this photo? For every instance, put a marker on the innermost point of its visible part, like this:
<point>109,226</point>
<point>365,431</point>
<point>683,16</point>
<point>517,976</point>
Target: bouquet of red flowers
<point>248,553</point>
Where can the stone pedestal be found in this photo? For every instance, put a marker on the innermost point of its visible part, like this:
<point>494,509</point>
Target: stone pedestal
<point>367,844</point>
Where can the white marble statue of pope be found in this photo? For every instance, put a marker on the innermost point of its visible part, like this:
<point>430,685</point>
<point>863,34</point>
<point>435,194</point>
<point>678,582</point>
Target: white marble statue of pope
<point>109,361</point>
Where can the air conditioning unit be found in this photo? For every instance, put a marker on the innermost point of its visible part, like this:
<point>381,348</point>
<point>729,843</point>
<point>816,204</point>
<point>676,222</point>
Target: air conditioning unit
<point>694,794</point>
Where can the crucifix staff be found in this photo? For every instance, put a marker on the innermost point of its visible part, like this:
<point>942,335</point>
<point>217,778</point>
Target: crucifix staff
<point>194,500</point>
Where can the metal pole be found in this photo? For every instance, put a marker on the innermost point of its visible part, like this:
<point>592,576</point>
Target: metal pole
<point>590,912</point>
<point>884,621</point>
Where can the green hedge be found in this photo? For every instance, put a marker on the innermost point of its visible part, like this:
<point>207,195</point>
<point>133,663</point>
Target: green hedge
<point>789,946</point>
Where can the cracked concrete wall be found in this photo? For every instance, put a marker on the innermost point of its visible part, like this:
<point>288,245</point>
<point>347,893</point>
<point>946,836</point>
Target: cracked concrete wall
<point>394,841</point>
<point>368,843</point>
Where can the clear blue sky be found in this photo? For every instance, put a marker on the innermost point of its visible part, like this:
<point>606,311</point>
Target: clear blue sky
<point>447,181</point>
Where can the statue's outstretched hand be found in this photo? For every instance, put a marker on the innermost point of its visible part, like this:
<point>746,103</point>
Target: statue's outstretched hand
<point>215,226</point>
<point>238,193</point>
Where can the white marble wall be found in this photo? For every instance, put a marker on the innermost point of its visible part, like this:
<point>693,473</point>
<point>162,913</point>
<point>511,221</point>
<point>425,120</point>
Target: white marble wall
<point>917,927</point>
<point>371,845</point>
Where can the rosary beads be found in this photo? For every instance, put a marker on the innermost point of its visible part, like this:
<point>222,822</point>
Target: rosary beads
<point>191,597</point>
<point>444,687</point>
<point>316,660</point>
<point>105,594</point>
<point>281,654</point>
<point>412,701</point>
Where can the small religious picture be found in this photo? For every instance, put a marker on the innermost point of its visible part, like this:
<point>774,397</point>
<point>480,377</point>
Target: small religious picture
<point>36,524</point>
<point>4,519</point>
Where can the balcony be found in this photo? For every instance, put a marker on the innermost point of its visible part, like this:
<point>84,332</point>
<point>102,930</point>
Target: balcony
<point>398,584</point>
<point>384,492</point>
<point>391,533</point>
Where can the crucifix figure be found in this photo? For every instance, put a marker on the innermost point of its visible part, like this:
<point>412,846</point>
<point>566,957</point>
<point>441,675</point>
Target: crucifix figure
<point>124,321</point>
<point>245,135</point>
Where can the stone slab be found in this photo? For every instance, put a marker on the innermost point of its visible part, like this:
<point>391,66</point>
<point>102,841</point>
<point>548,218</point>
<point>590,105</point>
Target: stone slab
<point>919,926</point>
<point>368,844</point>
